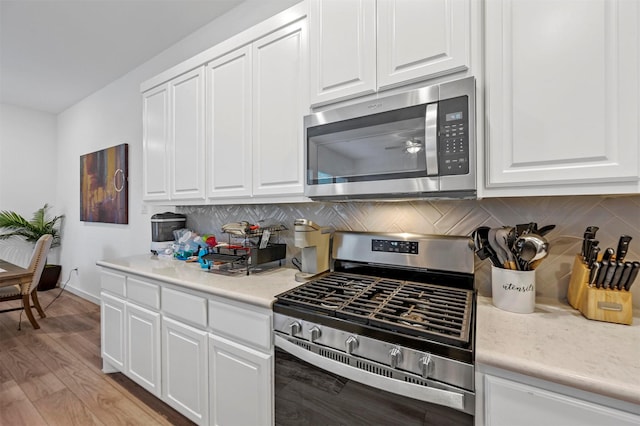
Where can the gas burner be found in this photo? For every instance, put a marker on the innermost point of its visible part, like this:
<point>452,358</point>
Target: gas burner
<point>331,302</point>
<point>411,318</point>
<point>378,297</point>
<point>353,287</point>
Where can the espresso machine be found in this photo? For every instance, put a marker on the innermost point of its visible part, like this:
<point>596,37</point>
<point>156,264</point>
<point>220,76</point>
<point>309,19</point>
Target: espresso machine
<point>314,240</point>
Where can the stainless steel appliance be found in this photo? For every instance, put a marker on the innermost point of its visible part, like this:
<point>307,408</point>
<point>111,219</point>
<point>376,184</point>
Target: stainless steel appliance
<point>162,227</point>
<point>387,334</point>
<point>314,242</point>
<point>415,144</point>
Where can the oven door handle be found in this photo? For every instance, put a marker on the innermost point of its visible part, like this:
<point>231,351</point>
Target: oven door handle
<point>428,394</point>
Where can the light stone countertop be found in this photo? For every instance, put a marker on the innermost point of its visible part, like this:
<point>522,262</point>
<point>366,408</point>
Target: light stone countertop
<point>259,288</point>
<point>556,343</point>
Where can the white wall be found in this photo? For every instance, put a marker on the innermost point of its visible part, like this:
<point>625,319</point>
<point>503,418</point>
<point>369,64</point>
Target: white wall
<point>27,170</point>
<point>113,116</point>
<point>27,159</point>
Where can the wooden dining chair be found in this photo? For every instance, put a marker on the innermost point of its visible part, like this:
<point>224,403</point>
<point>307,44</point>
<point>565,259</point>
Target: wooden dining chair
<point>29,289</point>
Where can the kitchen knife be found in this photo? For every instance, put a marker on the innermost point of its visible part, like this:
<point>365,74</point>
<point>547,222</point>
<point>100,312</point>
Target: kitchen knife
<point>601,273</point>
<point>589,233</point>
<point>623,247</point>
<point>632,276</point>
<point>593,274</point>
<point>611,269</point>
<point>593,255</point>
<point>607,254</point>
<point>615,281</point>
<point>625,274</point>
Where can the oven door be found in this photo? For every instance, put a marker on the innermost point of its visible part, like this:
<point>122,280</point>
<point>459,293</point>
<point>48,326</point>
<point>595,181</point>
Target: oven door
<point>324,390</point>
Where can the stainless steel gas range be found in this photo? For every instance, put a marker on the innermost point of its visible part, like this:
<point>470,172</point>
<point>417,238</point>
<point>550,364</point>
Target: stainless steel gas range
<point>386,337</point>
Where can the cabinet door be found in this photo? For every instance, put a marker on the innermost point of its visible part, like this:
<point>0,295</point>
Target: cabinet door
<point>342,42</point>
<point>185,370</point>
<point>155,142</point>
<point>112,333</point>
<point>143,347</point>
<point>229,125</point>
<point>240,384</point>
<point>422,39</point>
<point>562,94</point>
<point>186,139</point>
<point>280,102</point>
<point>512,403</point>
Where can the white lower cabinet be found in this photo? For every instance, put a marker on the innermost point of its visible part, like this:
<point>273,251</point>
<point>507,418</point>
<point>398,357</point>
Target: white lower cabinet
<point>143,347</point>
<point>185,369</point>
<point>112,332</point>
<point>240,386</point>
<point>507,399</point>
<point>208,357</point>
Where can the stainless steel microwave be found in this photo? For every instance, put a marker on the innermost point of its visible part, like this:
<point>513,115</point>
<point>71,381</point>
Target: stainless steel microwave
<point>417,144</point>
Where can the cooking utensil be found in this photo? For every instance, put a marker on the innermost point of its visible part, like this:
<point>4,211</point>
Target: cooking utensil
<point>525,228</point>
<point>615,281</point>
<point>483,248</point>
<point>623,246</point>
<point>493,242</point>
<point>589,233</point>
<point>611,269</point>
<point>545,230</point>
<point>604,265</point>
<point>531,247</point>
<point>628,266</point>
<point>632,275</point>
<point>590,244</point>
<point>607,254</point>
<point>593,274</point>
<point>593,255</point>
<point>502,239</point>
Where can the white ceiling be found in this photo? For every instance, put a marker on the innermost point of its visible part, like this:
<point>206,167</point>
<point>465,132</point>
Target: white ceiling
<point>53,53</point>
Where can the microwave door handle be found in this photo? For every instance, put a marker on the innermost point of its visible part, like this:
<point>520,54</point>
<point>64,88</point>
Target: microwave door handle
<point>431,139</point>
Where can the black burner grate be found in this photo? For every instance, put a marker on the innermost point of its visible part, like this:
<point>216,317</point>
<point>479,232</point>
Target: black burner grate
<point>411,308</point>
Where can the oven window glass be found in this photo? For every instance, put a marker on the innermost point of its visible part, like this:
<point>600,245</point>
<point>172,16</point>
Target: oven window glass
<point>307,395</point>
<point>388,145</point>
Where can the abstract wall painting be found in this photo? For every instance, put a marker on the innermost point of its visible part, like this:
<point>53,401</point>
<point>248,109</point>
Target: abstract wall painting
<point>104,185</point>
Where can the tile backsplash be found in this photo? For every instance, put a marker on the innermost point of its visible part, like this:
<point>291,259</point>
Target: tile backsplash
<point>614,215</point>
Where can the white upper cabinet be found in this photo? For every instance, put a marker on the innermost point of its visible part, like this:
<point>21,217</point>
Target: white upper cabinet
<point>155,157</point>
<point>225,126</point>
<point>229,106</point>
<point>562,97</point>
<point>421,39</point>
<point>361,46</point>
<point>186,137</point>
<point>173,139</point>
<point>280,102</point>
<point>342,39</point>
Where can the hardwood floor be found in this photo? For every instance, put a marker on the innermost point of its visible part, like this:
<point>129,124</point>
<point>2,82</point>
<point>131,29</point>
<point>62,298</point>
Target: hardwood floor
<point>52,376</point>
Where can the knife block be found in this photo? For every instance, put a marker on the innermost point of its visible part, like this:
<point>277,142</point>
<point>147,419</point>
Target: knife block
<point>596,303</point>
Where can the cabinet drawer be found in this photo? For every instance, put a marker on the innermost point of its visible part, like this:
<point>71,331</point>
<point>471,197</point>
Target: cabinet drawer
<point>143,293</point>
<point>249,325</point>
<point>185,306</point>
<point>113,282</point>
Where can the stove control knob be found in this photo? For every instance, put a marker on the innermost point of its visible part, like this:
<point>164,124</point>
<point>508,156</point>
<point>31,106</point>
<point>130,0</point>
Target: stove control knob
<point>426,364</point>
<point>351,344</point>
<point>315,333</point>
<point>294,328</point>
<point>396,356</point>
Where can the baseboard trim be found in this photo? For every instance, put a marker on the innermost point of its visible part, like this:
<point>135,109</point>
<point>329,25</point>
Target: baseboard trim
<point>81,293</point>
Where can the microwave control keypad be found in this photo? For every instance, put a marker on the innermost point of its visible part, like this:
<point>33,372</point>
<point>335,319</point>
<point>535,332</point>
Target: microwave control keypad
<point>454,137</point>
